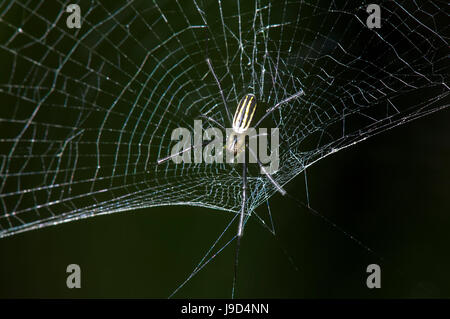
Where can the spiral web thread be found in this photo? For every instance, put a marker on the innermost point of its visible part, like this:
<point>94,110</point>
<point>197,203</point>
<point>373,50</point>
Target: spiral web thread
<point>87,112</point>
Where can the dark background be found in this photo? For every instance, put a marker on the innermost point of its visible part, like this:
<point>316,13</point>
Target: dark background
<point>391,192</point>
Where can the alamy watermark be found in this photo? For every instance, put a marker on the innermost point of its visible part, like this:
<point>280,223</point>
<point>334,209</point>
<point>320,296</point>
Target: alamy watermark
<point>74,278</point>
<point>74,18</point>
<point>209,146</point>
<point>374,18</point>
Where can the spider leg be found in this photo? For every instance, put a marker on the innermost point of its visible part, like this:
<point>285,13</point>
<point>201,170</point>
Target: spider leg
<point>208,61</point>
<point>276,106</point>
<point>212,120</point>
<point>241,225</point>
<point>244,199</point>
<point>162,160</point>
<point>268,175</point>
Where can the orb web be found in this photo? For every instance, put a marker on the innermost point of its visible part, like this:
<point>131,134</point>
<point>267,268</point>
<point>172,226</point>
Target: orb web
<point>87,112</point>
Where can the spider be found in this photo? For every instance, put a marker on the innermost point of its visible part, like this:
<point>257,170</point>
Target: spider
<point>236,144</point>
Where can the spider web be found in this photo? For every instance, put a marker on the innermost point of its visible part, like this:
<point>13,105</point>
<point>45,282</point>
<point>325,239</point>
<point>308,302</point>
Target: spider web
<point>87,112</point>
